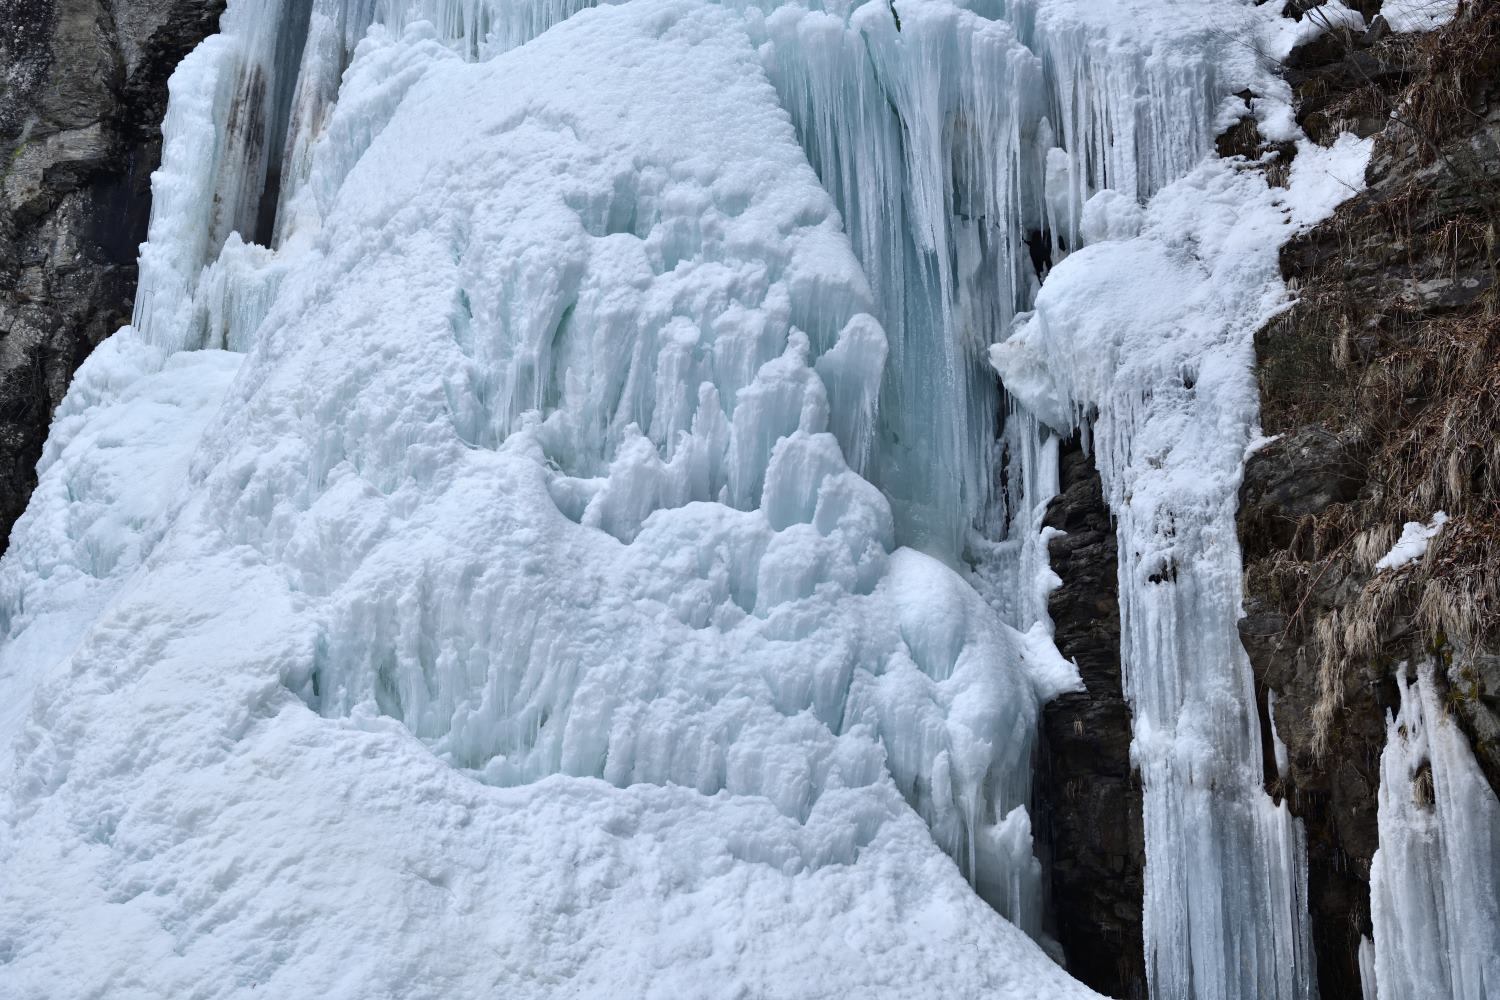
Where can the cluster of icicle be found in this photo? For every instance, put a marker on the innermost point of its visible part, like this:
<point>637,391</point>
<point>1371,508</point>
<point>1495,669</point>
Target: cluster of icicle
<point>946,139</point>
<point>1435,881</point>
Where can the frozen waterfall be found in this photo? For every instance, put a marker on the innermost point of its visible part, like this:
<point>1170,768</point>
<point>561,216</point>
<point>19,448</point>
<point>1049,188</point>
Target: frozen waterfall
<point>554,481</point>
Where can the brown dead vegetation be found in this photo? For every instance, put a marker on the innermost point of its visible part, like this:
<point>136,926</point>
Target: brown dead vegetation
<point>1394,346</point>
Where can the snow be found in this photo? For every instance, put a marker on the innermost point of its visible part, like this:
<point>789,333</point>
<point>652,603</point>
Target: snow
<point>1418,15</point>
<point>1435,880</point>
<point>511,615</point>
<point>119,446</point>
<point>1412,545</point>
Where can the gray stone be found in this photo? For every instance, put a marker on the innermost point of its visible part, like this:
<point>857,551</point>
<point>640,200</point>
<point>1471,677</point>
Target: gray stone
<point>1088,795</point>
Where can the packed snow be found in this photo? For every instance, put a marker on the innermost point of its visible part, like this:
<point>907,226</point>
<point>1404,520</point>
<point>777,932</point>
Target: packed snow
<point>1418,15</point>
<point>1412,545</point>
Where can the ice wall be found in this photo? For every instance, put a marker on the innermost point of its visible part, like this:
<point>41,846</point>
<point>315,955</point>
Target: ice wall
<point>587,433</point>
<point>1435,881</point>
<point>542,467</point>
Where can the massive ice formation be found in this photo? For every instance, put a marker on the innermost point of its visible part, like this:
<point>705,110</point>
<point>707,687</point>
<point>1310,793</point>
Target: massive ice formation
<point>541,467</point>
<point>545,529</point>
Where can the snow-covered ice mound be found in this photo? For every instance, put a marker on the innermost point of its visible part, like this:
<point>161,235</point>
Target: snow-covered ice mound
<point>522,624</point>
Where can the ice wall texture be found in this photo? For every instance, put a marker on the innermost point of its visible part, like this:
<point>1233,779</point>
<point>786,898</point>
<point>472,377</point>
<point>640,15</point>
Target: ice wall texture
<point>533,459</point>
<point>1435,881</point>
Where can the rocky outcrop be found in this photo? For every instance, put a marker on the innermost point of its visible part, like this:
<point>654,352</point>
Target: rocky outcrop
<point>1383,386</point>
<point>1332,789</point>
<point>1089,796</point>
<point>82,98</point>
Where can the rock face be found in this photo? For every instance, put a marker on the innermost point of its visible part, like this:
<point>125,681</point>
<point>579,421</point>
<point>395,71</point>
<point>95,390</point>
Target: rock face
<point>1383,387</point>
<point>1333,790</point>
<point>82,97</point>
<point>1090,798</point>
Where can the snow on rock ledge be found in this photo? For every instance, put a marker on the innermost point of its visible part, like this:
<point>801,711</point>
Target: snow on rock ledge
<point>542,469</point>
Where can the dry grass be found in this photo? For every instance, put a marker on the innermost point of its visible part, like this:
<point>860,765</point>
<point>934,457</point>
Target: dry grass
<point>1413,391</point>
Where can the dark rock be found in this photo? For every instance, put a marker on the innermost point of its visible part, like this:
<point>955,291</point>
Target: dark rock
<point>81,102</point>
<point>1241,139</point>
<point>1334,792</point>
<point>1089,795</point>
<point>1292,477</point>
<point>1405,254</point>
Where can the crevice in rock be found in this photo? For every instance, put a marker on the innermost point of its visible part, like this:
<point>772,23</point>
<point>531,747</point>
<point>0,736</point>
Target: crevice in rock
<point>1089,797</point>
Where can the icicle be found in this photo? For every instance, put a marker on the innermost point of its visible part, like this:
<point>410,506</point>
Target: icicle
<point>1367,985</point>
<point>1435,880</point>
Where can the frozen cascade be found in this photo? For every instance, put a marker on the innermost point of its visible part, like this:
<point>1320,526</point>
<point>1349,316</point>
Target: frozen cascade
<point>541,467</point>
<point>587,433</point>
<point>944,142</point>
<point>1435,881</point>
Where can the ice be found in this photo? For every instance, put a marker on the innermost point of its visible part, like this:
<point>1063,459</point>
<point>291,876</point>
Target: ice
<point>614,568</point>
<point>226,123</point>
<point>1412,545</point>
<point>514,616</point>
<point>119,446</point>
<point>1367,990</point>
<point>1145,342</point>
<point>949,135</point>
<point>1435,880</point>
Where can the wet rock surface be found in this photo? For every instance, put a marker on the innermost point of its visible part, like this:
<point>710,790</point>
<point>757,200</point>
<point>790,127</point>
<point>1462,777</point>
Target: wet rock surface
<point>82,96</point>
<point>1090,798</point>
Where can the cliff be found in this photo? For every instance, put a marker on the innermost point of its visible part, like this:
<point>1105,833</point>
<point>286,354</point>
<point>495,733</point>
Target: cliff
<point>1382,390</point>
<point>82,96</point>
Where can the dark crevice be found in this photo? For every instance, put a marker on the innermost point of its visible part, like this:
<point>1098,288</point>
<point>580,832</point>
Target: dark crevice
<point>1088,795</point>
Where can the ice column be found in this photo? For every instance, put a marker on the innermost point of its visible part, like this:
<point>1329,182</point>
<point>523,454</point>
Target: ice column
<point>226,121</point>
<point>1435,881</point>
<point>923,134</point>
<point>1225,907</point>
